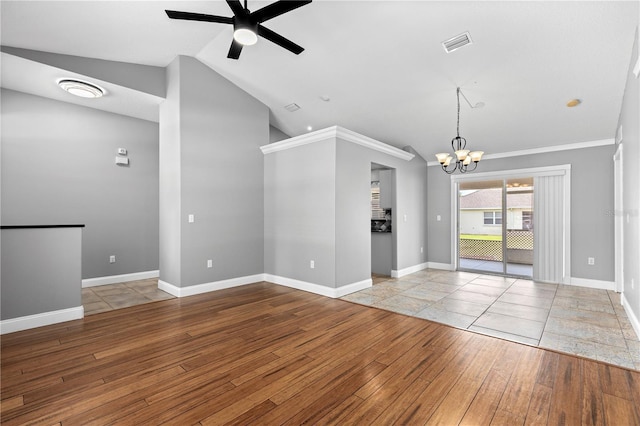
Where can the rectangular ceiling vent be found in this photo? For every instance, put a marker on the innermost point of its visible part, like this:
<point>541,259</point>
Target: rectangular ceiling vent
<point>292,107</point>
<point>457,42</point>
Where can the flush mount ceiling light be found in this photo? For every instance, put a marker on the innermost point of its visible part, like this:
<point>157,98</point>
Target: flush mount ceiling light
<point>464,157</point>
<point>573,103</point>
<point>81,88</point>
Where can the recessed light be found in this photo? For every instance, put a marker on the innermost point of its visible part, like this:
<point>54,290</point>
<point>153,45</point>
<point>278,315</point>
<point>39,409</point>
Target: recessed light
<point>81,88</point>
<point>325,98</point>
<point>573,102</point>
<point>309,128</point>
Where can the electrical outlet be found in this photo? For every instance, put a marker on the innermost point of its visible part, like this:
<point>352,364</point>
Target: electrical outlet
<point>312,264</point>
<point>112,259</point>
<point>209,263</point>
<point>191,218</point>
<point>591,260</point>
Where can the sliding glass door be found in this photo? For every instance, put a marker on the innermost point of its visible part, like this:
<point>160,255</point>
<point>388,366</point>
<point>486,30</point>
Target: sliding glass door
<point>495,226</point>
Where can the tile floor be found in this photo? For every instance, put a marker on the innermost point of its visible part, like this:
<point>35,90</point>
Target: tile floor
<point>115,296</point>
<point>581,321</point>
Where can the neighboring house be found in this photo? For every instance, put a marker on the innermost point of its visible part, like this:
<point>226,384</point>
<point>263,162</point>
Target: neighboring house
<point>481,211</point>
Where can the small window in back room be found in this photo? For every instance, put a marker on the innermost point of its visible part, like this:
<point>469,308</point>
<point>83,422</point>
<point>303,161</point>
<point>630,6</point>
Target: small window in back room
<point>493,218</point>
<point>377,212</point>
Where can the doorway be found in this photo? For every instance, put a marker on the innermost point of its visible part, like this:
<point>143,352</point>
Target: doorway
<point>495,226</point>
<point>382,221</point>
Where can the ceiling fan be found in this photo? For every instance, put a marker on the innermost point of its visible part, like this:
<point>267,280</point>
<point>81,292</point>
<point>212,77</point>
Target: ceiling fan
<point>247,25</point>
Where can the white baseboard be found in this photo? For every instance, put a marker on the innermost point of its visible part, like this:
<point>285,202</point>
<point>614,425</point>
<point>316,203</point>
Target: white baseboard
<point>317,288</point>
<point>410,270</point>
<point>112,279</point>
<point>585,282</point>
<point>633,318</point>
<point>207,287</point>
<point>442,266</point>
<point>40,320</point>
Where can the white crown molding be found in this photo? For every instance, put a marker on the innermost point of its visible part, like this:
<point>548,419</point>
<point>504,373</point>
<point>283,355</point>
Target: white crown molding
<point>337,132</point>
<point>112,279</point>
<point>543,150</point>
<point>40,320</point>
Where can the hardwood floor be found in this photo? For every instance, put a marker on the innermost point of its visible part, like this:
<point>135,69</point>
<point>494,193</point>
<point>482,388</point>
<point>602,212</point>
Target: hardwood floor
<point>266,354</point>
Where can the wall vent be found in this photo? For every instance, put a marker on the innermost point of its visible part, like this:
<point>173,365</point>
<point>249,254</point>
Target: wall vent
<point>292,107</point>
<point>457,42</point>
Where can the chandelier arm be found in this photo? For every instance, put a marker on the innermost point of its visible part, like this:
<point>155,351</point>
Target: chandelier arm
<point>447,170</point>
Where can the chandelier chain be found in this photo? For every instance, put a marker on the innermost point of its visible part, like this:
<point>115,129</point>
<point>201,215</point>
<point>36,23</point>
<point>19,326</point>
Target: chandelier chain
<point>458,124</point>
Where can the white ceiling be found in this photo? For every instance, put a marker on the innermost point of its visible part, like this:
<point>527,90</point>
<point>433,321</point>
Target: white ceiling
<point>380,62</point>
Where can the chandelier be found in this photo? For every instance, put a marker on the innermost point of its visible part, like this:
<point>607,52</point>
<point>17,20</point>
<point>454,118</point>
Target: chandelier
<point>463,156</point>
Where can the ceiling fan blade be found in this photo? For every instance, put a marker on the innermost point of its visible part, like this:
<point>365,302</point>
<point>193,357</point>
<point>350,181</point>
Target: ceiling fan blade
<point>236,7</point>
<point>276,9</point>
<point>279,40</point>
<point>234,50</point>
<point>188,16</point>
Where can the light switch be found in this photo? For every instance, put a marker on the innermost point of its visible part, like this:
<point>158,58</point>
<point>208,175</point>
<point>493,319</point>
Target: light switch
<point>438,218</point>
<point>192,218</point>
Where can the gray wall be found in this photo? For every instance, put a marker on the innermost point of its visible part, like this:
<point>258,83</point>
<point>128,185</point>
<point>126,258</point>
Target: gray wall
<point>591,203</point>
<point>50,280</point>
<point>630,121</point>
<point>58,167</point>
<point>318,207</point>
<point>353,214</point>
<point>145,78</point>
<point>219,170</point>
<point>276,135</point>
<point>300,220</point>
<point>169,180</point>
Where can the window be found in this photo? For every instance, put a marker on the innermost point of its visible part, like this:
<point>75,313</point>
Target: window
<point>377,212</point>
<point>493,218</point>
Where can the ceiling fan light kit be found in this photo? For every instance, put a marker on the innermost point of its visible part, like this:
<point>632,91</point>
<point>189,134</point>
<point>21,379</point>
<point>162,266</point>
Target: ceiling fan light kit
<point>247,25</point>
<point>463,156</point>
<point>246,36</point>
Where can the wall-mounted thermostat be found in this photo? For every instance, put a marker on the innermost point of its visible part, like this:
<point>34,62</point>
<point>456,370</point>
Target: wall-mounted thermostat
<point>122,151</point>
<point>122,160</point>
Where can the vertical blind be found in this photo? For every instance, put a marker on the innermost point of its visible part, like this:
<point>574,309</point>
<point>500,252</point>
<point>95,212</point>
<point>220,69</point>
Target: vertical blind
<point>549,236</point>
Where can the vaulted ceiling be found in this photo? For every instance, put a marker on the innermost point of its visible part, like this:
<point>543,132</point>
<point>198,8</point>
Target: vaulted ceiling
<point>381,64</point>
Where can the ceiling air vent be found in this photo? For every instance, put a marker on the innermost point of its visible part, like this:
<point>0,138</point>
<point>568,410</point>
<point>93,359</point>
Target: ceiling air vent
<point>292,107</point>
<point>457,42</point>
